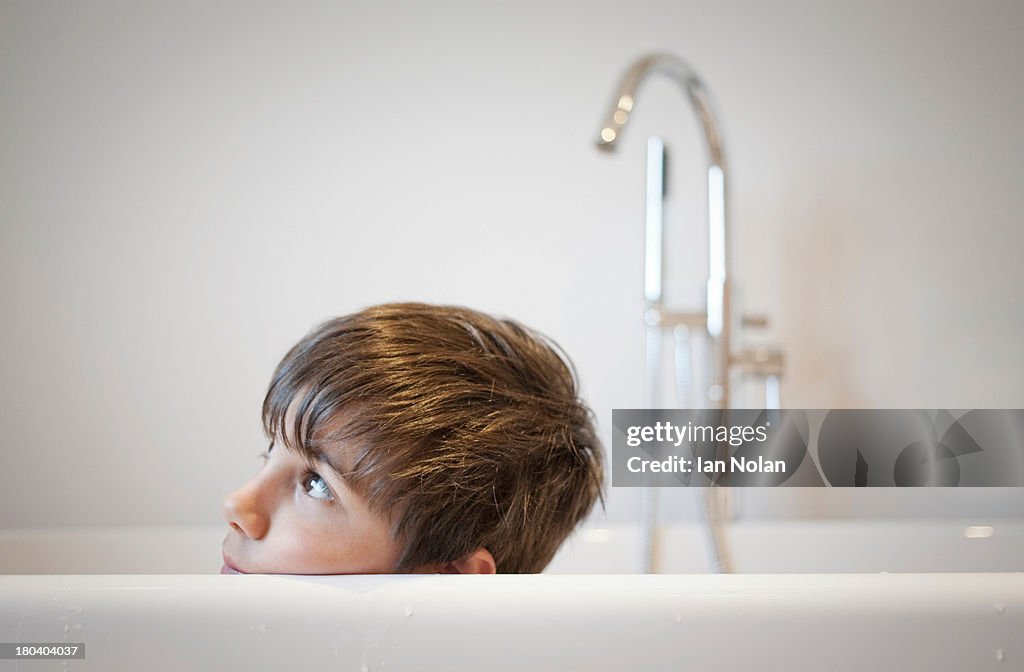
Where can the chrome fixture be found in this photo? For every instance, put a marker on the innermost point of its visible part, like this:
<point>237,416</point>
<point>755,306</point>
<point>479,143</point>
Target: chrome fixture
<point>714,321</point>
<point>714,318</point>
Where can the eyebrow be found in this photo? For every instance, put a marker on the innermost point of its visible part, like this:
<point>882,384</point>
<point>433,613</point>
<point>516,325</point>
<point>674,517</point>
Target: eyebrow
<point>321,457</point>
<point>324,458</point>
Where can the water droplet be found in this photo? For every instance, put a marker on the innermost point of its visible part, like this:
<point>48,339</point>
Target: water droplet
<point>408,610</point>
<point>999,655</point>
<point>679,618</point>
<point>1000,608</point>
<point>66,628</point>
<point>364,668</point>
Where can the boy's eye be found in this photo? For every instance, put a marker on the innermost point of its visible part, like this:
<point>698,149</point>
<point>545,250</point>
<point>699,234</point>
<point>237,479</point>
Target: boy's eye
<point>316,487</point>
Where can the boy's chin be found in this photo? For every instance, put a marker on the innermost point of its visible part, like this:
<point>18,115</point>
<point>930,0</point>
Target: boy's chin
<point>229,570</point>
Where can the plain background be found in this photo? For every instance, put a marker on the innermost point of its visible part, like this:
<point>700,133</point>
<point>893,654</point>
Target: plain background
<point>187,187</point>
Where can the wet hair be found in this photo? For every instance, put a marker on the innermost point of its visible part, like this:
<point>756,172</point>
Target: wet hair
<point>461,429</point>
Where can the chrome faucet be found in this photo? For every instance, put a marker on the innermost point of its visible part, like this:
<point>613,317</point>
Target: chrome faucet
<point>715,320</point>
<point>716,317</point>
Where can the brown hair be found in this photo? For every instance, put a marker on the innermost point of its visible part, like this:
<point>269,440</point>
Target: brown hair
<point>466,431</point>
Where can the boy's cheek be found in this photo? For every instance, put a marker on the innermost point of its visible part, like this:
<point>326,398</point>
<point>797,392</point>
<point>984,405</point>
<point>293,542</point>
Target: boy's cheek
<point>292,539</point>
<point>303,547</point>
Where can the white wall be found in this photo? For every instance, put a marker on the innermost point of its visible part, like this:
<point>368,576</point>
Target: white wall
<point>186,188</point>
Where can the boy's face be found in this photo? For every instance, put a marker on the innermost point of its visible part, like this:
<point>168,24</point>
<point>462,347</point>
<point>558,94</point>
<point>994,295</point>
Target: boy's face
<point>289,519</point>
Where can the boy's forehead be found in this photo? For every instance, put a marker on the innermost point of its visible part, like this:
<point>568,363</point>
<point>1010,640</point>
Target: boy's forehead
<point>333,452</point>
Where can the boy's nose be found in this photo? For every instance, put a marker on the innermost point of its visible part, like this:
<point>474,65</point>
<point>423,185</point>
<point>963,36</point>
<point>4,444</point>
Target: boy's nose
<point>243,511</point>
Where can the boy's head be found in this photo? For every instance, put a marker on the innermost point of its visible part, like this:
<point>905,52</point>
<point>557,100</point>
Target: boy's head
<point>458,443</point>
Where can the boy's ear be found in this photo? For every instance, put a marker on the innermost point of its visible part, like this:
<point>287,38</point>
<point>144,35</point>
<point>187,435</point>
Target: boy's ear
<point>479,561</point>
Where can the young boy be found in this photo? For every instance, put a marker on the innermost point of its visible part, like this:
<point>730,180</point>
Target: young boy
<point>417,438</point>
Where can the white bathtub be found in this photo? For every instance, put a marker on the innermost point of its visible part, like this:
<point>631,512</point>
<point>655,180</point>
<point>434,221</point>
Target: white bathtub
<point>542,622</point>
<point>967,614</point>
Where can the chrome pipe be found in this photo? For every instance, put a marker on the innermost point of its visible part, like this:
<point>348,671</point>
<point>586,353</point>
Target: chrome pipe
<point>684,372</point>
<point>654,176</point>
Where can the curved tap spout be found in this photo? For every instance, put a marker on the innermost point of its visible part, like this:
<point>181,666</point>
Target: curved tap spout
<point>693,88</point>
